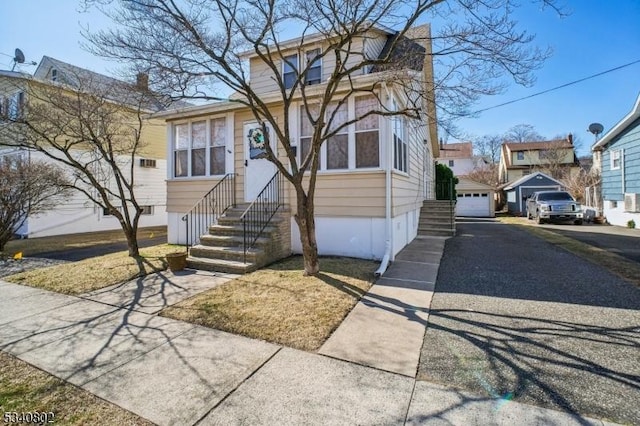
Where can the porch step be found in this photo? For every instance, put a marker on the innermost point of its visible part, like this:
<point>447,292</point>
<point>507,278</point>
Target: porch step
<point>436,232</point>
<point>236,230</point>
<point>229,240</point>
<point>220,265</point>
<point>226,253</point>
<point>436,225</point>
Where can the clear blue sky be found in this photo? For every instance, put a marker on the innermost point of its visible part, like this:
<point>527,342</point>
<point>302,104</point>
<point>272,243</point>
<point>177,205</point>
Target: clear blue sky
<point>596,36</point>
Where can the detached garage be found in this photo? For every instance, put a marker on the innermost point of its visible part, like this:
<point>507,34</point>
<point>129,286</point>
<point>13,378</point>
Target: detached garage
<point>474,199</point>
<point>518,191</point>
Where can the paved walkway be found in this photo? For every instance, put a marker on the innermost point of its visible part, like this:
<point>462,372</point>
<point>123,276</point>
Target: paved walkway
<point>112,344</point>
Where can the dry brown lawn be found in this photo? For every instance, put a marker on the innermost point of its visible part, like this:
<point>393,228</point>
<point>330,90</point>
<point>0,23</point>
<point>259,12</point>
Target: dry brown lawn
<point>32,246</point>
<point>618,265</point>
<point>24,388</point>
<point>279,305</point>
<point>94,273</point>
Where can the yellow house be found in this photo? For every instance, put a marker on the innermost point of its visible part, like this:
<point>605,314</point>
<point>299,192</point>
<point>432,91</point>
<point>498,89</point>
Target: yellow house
<point>80,214</point>
<point>555,157</point>
<point>372,180</point>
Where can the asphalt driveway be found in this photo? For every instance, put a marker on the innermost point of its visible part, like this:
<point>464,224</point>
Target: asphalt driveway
<point>516,317</point>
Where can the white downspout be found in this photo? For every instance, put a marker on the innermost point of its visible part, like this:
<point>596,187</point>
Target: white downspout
<point>388,222</point>
<point>622,166</point>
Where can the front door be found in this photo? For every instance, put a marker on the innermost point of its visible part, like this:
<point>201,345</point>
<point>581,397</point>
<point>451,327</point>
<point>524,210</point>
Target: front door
<point>257,171</point>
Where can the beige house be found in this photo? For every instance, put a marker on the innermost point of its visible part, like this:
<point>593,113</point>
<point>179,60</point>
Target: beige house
<point>373,176</point>
<point>554,157</point>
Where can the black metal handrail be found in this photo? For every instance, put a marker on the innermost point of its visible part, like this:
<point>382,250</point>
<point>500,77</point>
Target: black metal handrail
<point>210,207</point>
<point>260,212</point>
<point>445,190</point>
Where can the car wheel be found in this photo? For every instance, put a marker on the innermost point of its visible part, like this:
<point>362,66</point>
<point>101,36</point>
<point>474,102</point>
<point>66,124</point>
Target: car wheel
<point>578,222</point>
<point>539,220</point>
<point>529,217</point>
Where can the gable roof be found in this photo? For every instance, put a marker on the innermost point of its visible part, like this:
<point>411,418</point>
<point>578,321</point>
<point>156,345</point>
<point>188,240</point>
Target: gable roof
<point>113,89</point>
<point>456,150</point>
<point>618,128</point>
<point>538,145</point>
<point>523,179</point>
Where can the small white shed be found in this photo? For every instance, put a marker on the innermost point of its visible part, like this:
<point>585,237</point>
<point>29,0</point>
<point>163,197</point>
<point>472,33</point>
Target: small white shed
<point>474,199</point>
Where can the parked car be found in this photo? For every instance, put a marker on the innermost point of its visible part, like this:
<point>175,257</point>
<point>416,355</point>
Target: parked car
<point>554,206</point>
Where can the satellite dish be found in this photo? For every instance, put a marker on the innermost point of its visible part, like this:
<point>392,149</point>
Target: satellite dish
<point>596,128</point>
<point>18,59</point>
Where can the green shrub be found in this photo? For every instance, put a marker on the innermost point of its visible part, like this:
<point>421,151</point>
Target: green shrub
<point>631,224</point>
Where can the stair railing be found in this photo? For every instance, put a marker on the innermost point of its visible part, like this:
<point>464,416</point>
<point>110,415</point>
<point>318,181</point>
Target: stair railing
<point>445,190</point>
<point>260,212</point>
<point>210,207</point>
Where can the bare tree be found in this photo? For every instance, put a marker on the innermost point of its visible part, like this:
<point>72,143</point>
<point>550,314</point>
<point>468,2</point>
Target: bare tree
<point>27,188</point>
<point>488,147</point>
<point>485,173</point>
<point>93,137</point>
<point>192,48</point>
<point>523,133</point>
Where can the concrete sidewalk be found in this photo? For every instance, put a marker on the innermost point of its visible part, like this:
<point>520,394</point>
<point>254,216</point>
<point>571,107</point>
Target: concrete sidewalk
<point>386,328</point>
<point>172,372</point>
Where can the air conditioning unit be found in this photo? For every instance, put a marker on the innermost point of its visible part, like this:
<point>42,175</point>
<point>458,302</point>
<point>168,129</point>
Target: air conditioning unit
<point>632,203</point>
<point>147,162</point>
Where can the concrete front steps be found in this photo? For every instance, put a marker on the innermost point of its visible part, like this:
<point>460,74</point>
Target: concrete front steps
<point>222,249</point>
<point>437,219</point>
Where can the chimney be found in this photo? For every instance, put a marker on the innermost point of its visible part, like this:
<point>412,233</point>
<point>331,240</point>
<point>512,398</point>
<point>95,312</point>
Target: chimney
<point>142,81</point>
<point>570,138</point>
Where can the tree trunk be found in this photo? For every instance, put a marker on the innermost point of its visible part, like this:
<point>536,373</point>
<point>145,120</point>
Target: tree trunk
<point>132,244</point>
<point>307,226</point>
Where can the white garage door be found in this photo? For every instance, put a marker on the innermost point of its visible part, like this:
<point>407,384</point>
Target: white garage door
<point>477,204</point>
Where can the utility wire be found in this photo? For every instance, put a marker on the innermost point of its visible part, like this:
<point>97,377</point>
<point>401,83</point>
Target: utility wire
<point>556,88</point>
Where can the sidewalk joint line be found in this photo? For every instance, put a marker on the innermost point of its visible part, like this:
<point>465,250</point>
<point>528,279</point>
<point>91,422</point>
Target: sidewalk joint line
<point>420,263</point>
<point>348,361</point>
<point>413,390</point>
<point>237,386</point>
<point>405,279</point>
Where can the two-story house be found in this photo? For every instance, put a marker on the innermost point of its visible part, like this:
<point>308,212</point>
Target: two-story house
<point>373,176</point>
<point>79,214</point>
<point>617,156</point>
<point>555,158</point>
<point>458,157</point>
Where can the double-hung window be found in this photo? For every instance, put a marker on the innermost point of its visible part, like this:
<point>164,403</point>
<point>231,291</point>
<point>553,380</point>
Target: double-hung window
<point>338,144</point>
<point>400,147</point>
<point>366,132</point>
<point>200,148</point>
<point>615,160</point>
<point>314,67</point>
<point>218,150</point>
<point>306,130</point>
<point>289,70</point>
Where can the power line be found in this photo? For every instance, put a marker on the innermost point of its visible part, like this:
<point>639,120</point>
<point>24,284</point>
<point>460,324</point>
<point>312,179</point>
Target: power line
<point>556,88</point>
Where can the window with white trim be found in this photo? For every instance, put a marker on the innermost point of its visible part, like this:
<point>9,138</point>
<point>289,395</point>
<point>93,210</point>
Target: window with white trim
<point>306,129</point>
<point>16,106</point>
<point>520,155</point>
<point>146,210</point>
<point>400,146</point>
<point>338,145</point>
<point>199,148</point>
<point>314,67</point>
<point>451,163</point>
<point>367,132</point>
<point>615,159</point>
<point>289,70</point>
<point>354,147</point>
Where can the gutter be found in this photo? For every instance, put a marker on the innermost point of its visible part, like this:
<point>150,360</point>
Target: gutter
<point>388,222</point>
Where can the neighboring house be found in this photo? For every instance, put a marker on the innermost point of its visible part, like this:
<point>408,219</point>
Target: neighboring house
<point>458,157</point>
<point>554,157</point>
<point>474,199</point>
<point>617,155</point>
<point>373,186</point>
<point>79,214</point>
<point>519,191</point>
